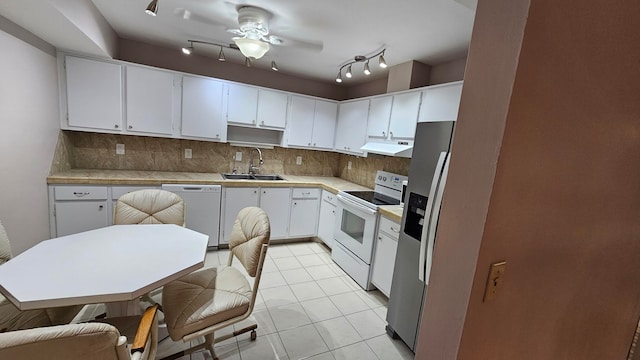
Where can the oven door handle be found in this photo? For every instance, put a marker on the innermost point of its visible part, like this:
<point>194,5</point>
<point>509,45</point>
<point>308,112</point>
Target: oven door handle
<point>356,205</point>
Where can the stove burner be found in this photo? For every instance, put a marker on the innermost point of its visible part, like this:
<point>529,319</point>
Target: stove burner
<point>374,197</point>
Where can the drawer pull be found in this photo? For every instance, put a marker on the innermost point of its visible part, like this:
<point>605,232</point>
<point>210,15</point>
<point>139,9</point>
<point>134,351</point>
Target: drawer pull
<point>394,229</point>
<point>81,194</point>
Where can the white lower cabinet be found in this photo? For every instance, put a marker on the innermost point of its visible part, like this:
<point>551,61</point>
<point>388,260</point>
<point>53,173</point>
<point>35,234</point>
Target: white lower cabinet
<point>385,254</point>
<point>326,220</point>
<point>275,202</point>
<point>304,212</point>
<point>78,208</point>
<point>235,199</point>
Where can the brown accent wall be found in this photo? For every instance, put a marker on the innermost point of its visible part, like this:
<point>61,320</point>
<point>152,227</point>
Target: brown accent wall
<point>544,175</point>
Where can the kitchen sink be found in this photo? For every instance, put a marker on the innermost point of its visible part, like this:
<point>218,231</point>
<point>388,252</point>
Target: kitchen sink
<point>237,176</point>
<point>267,177</point>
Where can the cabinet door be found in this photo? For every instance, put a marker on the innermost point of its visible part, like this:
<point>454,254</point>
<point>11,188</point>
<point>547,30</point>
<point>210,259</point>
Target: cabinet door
<point>352,126</point>
<point>404,115</point>
<point>78,216</point>
<point>242,104</point>
<point>275,202</point>
<point>324,124</point>
<point>326,223</point>
<point>149,101</point>
<point>379,114</point>
<point>440,103</point>
<point>202,112</point>
<point>304,217</point>
<point>301,121</point>
<point>384,259</point>
<point>272,109</point>
<point>236,199</point>
<point>94,94</point>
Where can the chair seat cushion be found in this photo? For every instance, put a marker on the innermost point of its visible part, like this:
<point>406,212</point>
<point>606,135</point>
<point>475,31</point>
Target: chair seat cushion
<point>204,298</point>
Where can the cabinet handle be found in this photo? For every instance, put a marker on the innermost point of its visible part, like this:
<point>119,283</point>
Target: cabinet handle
<point>255,191</point>
<point>262,122</point>
<point>391,133</point>
<point>116,126</point>
<point>384,134</point>
<point>264,192</point>
<point>130,127</point>
<point>379,237</point>
<point>81,194</point>
<point>314,144</point>
<point>100,207</point>
<point>217,136</point>
<point>309,144</point>
<point>333,211</point>
<point>295,203</point>
<point>253,121</point>
<point>394,229</point>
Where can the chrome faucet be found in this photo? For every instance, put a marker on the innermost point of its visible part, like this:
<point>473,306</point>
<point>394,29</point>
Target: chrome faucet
<point>252,169</point>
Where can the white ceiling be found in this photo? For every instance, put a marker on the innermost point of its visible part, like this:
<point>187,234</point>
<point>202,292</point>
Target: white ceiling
<point>429,31</point>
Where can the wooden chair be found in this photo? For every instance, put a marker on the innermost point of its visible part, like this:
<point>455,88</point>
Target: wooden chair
<point>210,299</point>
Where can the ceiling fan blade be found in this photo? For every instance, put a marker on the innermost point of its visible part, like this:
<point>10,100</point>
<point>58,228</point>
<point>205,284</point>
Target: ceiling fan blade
<point>302,44</point>
<point>189,15</point>
<point>236,32</point>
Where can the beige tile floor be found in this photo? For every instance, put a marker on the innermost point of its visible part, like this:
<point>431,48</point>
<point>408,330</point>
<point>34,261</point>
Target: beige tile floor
<point>307,308</point>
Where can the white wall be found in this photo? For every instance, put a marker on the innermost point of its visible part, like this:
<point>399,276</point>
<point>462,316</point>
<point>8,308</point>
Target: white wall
<point>30,126</point>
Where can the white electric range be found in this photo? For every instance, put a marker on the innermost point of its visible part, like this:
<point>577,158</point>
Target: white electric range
<point>356,222</point>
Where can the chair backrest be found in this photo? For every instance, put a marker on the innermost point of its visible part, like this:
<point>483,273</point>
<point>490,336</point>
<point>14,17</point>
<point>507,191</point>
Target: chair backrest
<point>5,246</point>
<point>149,206</point>
<point>251,231</point>
<point>94,341</point>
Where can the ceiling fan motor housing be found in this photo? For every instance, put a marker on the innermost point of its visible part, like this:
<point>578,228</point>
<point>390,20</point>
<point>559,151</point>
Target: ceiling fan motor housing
<point>253,19</point>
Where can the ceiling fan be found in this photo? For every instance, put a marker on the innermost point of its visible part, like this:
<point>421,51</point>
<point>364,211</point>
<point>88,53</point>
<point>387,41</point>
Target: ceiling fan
<point>253,35</point>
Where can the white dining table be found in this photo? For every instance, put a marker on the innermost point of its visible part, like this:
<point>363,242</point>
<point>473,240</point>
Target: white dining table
<point>115,265</point>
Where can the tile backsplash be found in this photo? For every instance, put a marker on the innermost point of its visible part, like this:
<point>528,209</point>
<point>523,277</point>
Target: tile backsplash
<point>85,150</point>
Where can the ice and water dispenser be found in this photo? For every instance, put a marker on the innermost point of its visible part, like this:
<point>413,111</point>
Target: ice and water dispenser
<point>416,211</point>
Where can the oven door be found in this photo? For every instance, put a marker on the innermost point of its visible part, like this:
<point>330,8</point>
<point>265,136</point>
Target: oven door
<point>355,227</point>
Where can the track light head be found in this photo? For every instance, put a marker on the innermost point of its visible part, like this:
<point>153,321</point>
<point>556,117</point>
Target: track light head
<point>247,62</point>
<point>221,55</point>
<point>348,74</point>
<point>339,77</point>
<point>187,50</point>
<point>274,67</point>
<point>381,62</point>
<point>367,70</point>
<point>152,8</point>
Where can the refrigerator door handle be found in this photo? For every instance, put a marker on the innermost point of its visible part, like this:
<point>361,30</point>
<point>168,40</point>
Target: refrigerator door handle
<point>427,220</point>
<point>434,220</point>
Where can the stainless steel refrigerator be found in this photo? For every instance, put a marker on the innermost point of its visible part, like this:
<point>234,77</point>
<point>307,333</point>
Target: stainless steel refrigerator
<point>427,176</point>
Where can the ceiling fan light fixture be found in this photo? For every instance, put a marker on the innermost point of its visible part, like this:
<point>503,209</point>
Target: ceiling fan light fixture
<point>367,70</point>
<point>152,8</point>
<point>381,62</point>
<point>221,55</point>
<point>274,66</point>
<point>252,48</point>
<point>348,74</point>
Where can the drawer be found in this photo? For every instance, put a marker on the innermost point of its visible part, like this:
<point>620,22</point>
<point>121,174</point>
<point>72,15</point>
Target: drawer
<point>389,227</point>
<point>329,197</point>
<point>305,193</point>
<point>80,192</point>
<point>117,191</point>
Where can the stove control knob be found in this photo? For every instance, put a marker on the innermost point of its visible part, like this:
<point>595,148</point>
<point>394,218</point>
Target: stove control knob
<point>384,178</point>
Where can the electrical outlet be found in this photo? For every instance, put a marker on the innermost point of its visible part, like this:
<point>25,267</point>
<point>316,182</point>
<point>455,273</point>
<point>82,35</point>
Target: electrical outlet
<point>188,153</point>
<point>238,155</point>
<point>349,165</point>
<point>119,149</point>
<point>298,160</point>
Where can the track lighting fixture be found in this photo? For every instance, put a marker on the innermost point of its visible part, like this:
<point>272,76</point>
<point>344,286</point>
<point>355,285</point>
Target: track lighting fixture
<point>188,50</point>
<point>361,58</point>
<point>152,9</point>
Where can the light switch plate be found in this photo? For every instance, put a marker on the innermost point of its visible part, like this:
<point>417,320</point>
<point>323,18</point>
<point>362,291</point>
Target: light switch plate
<point>349,165</point>
<point>119,149</point>
<point>238,155</point>
<point>298,160</point>
<point>494,281</point>
<point>188,153</point>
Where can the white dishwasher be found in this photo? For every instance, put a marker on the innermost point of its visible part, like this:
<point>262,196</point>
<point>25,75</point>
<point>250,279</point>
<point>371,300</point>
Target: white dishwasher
<point>202,208</point>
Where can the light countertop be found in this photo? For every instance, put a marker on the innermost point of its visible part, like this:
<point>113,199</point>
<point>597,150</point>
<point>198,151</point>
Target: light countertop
<point>392,212</point>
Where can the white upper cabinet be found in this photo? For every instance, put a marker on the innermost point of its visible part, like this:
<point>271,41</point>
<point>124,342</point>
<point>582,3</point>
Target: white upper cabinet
<point>324,124</point>
<point>441,102</point>
<point>312,123</point>
<point>150,96</point>
<point>250,106</point>
<point>272,109</point>
<point>351,129</point>
<point>202,109</point>
<point>242,104</point>
<point>379,115</point>
<point>94,94</point>
<point>404,115</point>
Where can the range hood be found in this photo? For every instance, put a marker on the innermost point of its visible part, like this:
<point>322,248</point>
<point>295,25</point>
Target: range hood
<point>389,148</point>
